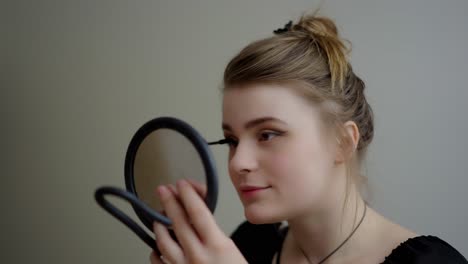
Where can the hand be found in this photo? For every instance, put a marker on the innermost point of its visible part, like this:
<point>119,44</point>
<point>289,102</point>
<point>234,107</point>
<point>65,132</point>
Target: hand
<point>200,241</point>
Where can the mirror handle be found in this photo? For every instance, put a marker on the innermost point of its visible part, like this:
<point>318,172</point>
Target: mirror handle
<point>125,219</point>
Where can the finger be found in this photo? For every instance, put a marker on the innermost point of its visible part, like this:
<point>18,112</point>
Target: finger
<point>185,234</point>
<point>155,259</point>
<point>198,213</point>
<point>173,189</point>
<point>168,247</point>
<point>199,187</point>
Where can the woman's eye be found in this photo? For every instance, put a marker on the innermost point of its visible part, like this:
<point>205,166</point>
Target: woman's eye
<point>231,142</point>
<point>268,135</point>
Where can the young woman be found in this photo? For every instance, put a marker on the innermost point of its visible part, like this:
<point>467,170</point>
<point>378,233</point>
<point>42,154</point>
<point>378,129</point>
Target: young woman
<point>298,125</point>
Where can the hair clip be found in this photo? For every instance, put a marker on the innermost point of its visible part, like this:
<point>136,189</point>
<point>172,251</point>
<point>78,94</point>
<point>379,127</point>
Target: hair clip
<point>286,28</point>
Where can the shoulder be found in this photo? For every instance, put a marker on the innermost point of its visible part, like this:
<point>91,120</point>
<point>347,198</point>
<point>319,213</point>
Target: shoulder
<point>425,249</point>
<point>258,243</point>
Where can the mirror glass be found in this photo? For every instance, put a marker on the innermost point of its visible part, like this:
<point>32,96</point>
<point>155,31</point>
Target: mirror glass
<point>164,157</point>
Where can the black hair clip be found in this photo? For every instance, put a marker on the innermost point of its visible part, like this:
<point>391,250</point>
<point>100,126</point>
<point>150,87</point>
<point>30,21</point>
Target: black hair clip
<point>286,28</point>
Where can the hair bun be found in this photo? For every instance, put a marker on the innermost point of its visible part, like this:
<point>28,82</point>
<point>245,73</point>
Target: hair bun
<point>317,26</point>
<point>324,33</point>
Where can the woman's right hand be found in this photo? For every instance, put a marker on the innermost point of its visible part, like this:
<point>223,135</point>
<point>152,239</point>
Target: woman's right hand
<point>199,239</point>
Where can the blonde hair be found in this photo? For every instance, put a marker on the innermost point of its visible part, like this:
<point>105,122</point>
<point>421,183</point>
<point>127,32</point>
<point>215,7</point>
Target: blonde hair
<point>310,55</point>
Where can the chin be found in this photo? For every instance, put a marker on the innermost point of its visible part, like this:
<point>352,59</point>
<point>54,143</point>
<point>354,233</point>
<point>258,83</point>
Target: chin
<point>258,216</point>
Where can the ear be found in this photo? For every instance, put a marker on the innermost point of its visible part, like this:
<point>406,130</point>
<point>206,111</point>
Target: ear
<point>348,144</point>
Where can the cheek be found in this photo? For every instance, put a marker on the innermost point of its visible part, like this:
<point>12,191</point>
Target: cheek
<point>289,164</point>
<point>279,168</point>
<point>301,167</point>
<point>232,174</point>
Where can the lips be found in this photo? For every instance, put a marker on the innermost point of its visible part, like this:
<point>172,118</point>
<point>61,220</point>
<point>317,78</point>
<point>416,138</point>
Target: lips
<point>251,188</point>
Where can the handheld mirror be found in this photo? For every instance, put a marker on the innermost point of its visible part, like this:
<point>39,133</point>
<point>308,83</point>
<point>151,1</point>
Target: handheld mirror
<point>161,152</point>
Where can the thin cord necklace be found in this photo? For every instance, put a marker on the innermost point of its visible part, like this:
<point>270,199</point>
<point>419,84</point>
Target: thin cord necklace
<point>344,242</point>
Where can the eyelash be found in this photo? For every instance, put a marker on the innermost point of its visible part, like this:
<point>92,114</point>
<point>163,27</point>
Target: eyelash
<point>233,143</point>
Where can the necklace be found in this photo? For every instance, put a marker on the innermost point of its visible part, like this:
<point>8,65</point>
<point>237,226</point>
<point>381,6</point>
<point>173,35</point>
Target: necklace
<point>344,242</point>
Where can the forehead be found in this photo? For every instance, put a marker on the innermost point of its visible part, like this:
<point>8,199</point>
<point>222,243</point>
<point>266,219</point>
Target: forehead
<point>244,103</point>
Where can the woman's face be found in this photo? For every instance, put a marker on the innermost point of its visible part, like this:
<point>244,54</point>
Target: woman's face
<point>280,162</point>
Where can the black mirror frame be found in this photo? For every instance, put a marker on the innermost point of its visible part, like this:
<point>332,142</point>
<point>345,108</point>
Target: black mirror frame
<point>146,214</point>
<point>198,142</point>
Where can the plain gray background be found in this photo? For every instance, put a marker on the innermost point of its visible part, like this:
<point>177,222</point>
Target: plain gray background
<point>79,77</point>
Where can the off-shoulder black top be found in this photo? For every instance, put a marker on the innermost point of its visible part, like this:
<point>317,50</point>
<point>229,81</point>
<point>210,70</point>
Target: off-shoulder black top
<point>259,244</point>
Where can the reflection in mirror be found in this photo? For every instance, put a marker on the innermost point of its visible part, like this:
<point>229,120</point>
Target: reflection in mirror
<point>164,157</point>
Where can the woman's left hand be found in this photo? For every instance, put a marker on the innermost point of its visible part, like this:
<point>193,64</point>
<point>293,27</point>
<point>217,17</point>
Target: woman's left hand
<point>200,240</point>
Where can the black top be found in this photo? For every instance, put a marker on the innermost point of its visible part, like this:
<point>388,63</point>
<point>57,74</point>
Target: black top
<point>259,243</point>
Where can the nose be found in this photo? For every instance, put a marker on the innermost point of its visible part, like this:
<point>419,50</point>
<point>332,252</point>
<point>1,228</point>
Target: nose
<point>243,159</point>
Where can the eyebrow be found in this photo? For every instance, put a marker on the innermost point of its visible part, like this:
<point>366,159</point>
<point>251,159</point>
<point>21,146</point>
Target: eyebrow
<point>255,122</point>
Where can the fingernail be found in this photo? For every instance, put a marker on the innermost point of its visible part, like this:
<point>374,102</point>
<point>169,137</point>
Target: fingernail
<point>163,191</point>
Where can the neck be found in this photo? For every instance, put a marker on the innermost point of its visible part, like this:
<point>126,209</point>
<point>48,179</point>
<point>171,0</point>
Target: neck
<point>319,233</point>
